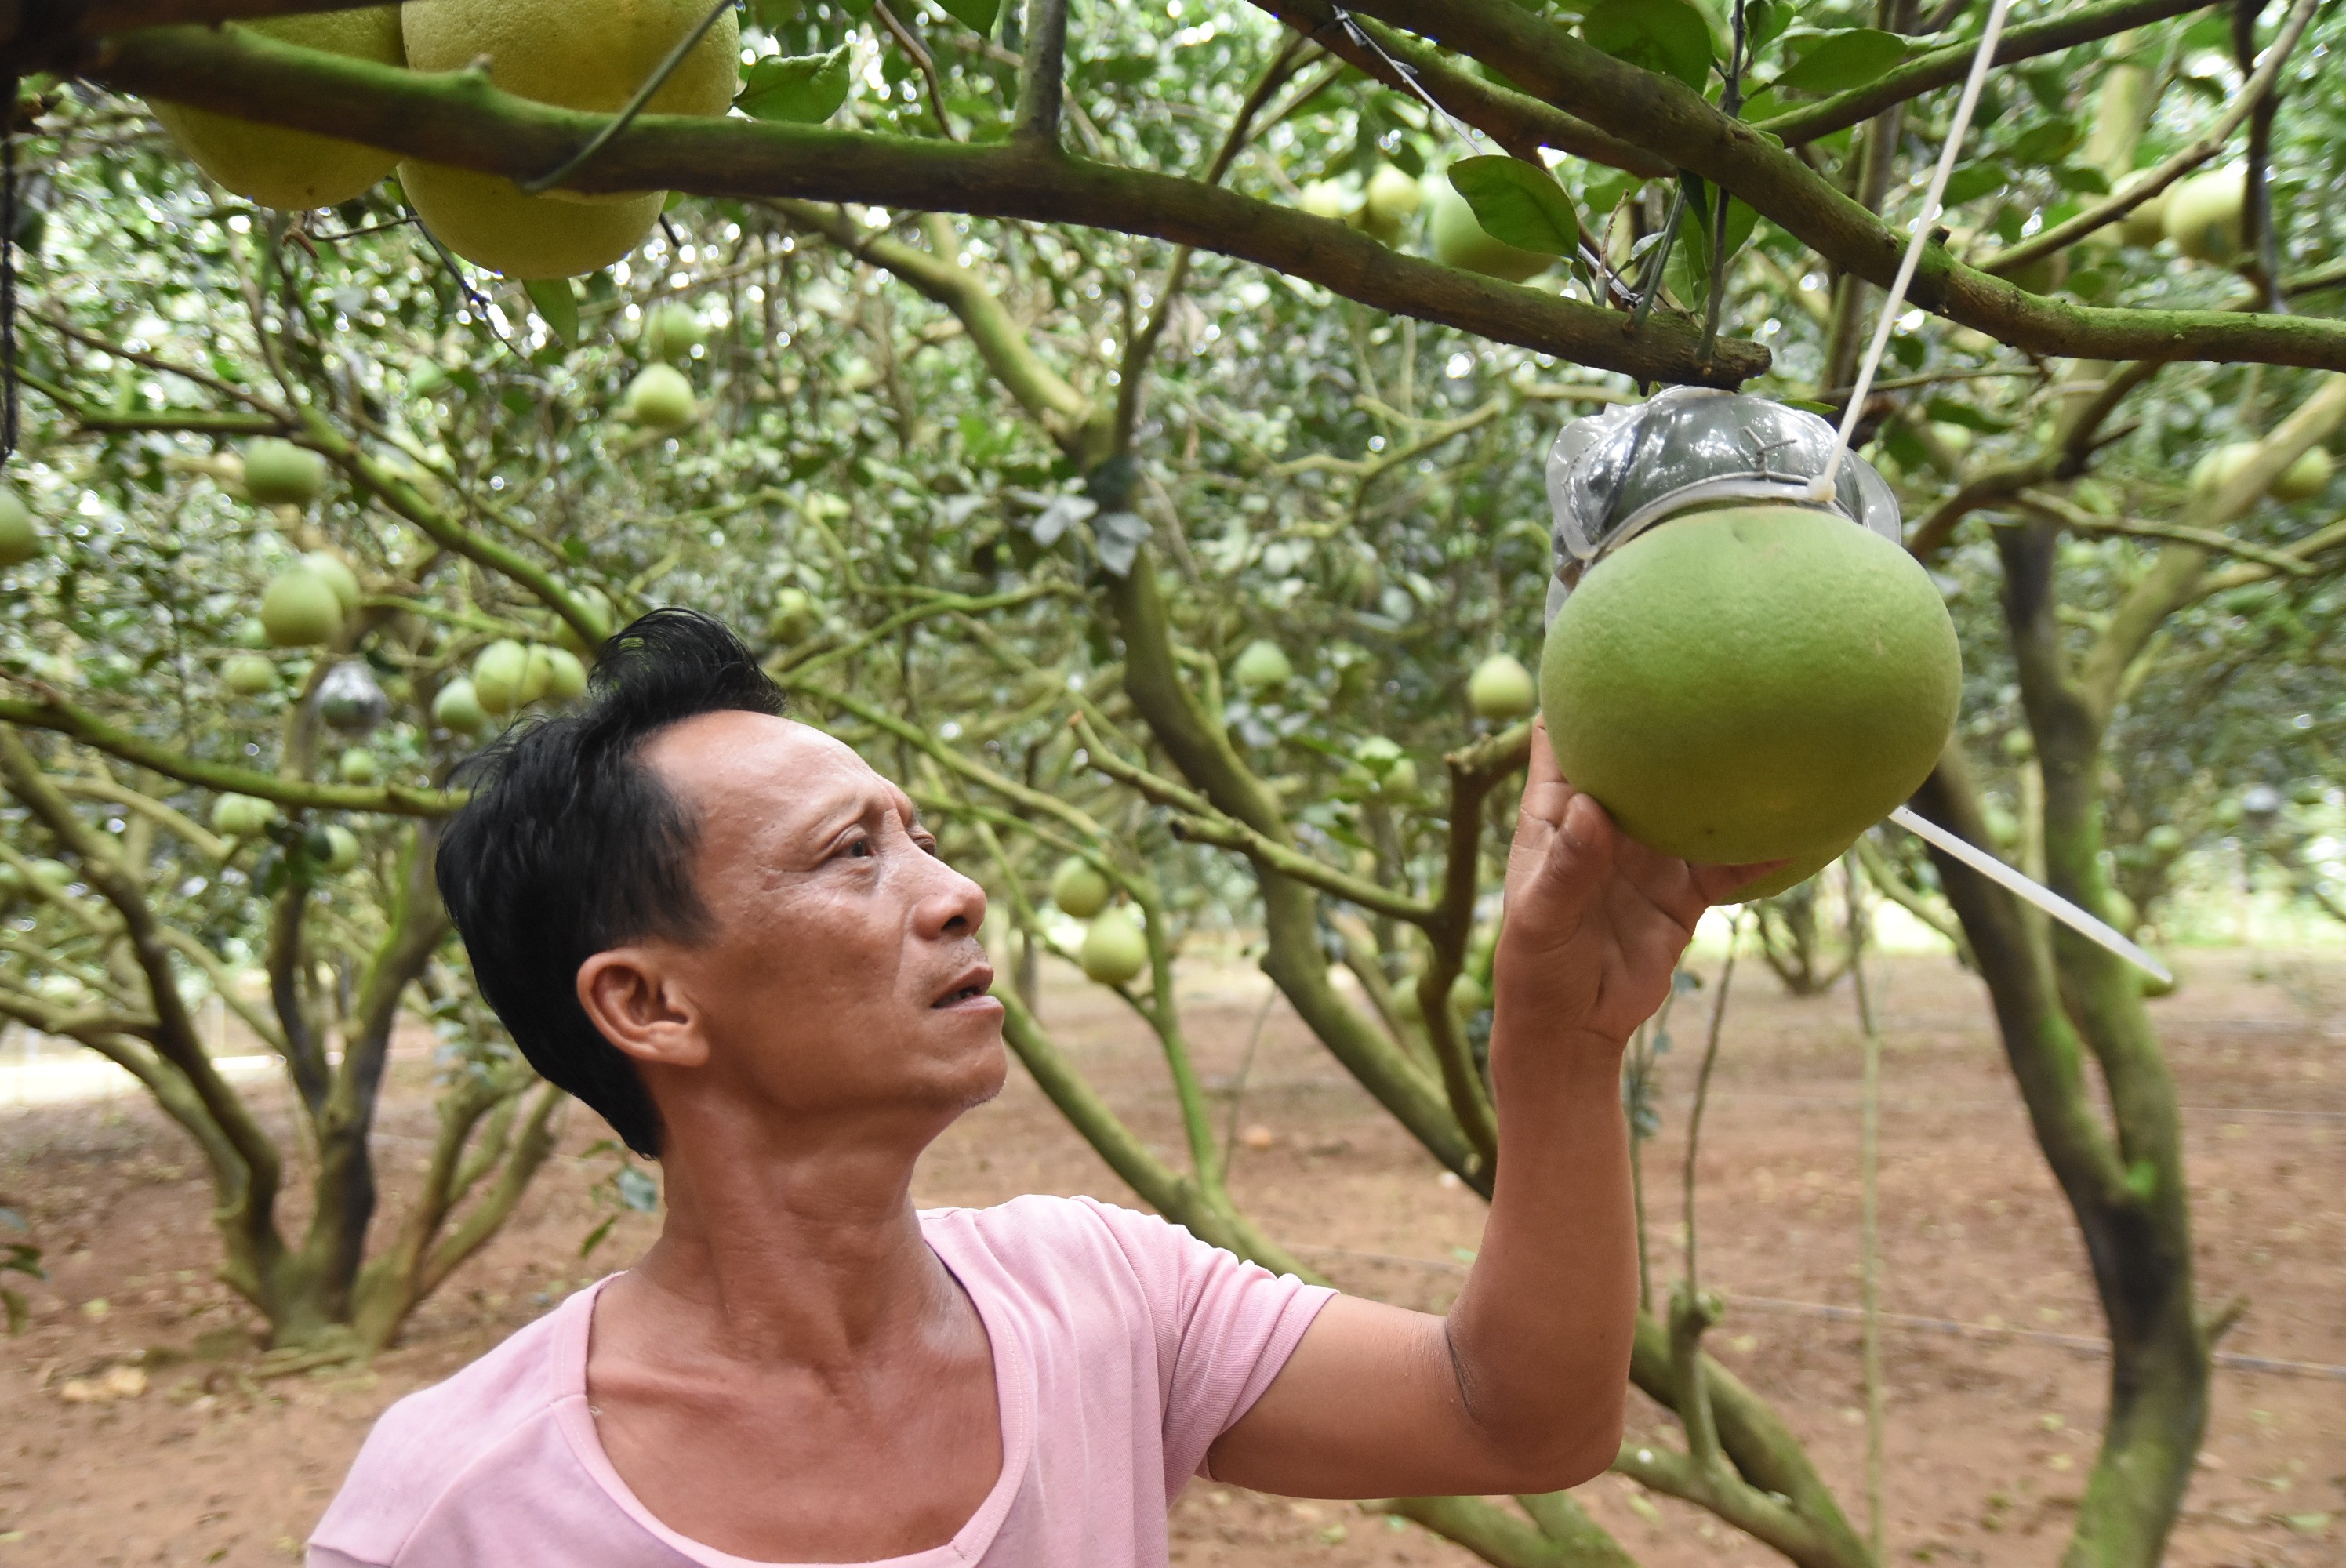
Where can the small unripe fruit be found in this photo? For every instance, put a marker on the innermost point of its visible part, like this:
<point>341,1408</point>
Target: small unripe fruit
<point>301,610</point>
<point>280,474</point>
<point>1502,690</point>
<point>338,575</point>
<point>1326,198</point>
<point>357,766</point>
<point>1115,949</point>
<point>793,617</point>
<point>2204,214</point>
<point>2306,478</point>
<point>458,711</point>
<point>242,816</point>
<point>248,675</point>
<point>660,397</point>
<point>498,674</point>
<point>1079,889</point>
<point>565,678</point>
<point>333,847</point>
<point>2163,840</point>
<point>598,606</point>
<point>1260,666</point>
<point>672,331</point>
<point>54,876</point>
<point>20,536</point>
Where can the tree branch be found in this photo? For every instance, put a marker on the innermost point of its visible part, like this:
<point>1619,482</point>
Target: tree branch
<point>1946,66</point>
<point>2254,92</point>
<point>1674,121</point>
<point>459,119</point>
<point>51,711</point>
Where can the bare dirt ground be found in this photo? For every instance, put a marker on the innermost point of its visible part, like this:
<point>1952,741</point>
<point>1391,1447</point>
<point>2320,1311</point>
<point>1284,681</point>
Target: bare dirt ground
<point>1990,1431</point>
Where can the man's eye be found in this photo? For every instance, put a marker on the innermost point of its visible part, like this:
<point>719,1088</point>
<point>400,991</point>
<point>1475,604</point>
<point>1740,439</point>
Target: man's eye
<point>861,848</point>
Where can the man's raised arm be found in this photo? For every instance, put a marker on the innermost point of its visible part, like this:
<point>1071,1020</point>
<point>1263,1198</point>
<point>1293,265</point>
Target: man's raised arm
<point>1521,1389</point>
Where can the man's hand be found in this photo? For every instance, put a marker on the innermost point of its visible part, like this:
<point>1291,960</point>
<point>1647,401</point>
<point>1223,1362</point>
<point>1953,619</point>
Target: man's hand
<point>1595,921</point>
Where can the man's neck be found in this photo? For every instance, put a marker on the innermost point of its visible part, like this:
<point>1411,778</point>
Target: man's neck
<point>811,1255</point>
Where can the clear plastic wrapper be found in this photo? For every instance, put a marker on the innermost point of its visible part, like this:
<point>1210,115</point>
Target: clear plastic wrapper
<point>1615,474</point>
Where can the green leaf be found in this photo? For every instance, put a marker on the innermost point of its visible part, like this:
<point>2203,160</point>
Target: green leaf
<point>1851,58</point>
<point>1947,411</point>
<point>1605,192</point>
<point>1517,203</point>
<point>2081,177</point>
<point>1764,21</point>
<point>977,16</point>
<point>804,90</point>
<point>2043,144</point>
<point>557,306</point>
<point>1973,181</point>
<point>1670,38</point>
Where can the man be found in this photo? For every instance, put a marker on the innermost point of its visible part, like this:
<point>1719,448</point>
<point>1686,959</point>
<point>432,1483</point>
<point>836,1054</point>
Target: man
<point>734,939</point>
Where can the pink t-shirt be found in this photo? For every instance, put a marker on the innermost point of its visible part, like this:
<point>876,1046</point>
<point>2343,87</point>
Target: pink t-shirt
<point>1123,1347</point>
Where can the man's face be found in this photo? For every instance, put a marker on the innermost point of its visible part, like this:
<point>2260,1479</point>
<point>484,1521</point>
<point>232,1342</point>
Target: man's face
<point>842,972</point>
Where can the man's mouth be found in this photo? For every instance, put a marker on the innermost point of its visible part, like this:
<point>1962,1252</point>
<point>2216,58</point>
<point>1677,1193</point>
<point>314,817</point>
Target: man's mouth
<point>975,985</point>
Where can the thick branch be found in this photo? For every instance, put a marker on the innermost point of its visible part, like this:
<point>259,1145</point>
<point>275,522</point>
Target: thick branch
<point>50,711</point>
<point>459,119</point>
<point>1678,123</point>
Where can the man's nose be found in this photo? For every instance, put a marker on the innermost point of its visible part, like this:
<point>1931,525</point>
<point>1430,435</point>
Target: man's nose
<point>955,904</point>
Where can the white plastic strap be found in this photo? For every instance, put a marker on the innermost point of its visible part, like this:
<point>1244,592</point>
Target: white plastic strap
<point>2043,897</point>
<point>1822,489</point>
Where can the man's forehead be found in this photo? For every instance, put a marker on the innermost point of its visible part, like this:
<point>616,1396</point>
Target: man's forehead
<point>734,752</point>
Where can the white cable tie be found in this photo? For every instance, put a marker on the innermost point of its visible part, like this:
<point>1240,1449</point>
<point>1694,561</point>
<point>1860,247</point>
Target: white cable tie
<point>1822,489</point>
<point>1407,74</point>
<point>2036,892</point>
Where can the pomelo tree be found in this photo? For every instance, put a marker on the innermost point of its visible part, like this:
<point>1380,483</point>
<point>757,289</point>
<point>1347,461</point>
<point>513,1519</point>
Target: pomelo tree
<point>1090,449</point>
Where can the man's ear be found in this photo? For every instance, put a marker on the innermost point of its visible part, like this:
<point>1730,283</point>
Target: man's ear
<point>629,995</point>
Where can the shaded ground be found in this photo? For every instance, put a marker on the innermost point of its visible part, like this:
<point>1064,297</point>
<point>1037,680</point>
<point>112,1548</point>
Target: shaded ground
<point>1990,1432</point>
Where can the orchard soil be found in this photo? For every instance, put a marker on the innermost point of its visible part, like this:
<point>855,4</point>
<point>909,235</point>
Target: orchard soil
<point>1990,1430</point>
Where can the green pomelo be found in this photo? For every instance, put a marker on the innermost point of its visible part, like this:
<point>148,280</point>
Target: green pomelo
<point>357,766</point>
<point>341,848</point>
<point>565,678</point>
<point>1502,690</point>
<point>300,609</point>
<point>1751,684</point>
<point>672,331</point>
<point>20,536</point>
<point>498,674</point>
<point>56,876</point>
<point>660,397</point>
<point>793,617</point>
<point>2204,214</point>
<point>242,816</point>
<point>1460,242</point>
<point>293,169</point>
<point>338,575</point>
<point>2163,840</point>
<point>458,711</point>
<point>1784,879</point>
<point>248,675</point>
<point>280,474</point>
<point>2146,224</point>
<point>1394,199</point>
<point>536,674</point>
<point>1113,950</point>
<point>1079,889</point>
<point>2306,478</point>
<point>599,615</point>
<point>1260,665</point>
<point>1327,199</point>
<point>590,57</point>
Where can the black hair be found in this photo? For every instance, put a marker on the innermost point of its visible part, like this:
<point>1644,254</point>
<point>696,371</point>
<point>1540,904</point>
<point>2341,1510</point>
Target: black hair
<point>570,846</point>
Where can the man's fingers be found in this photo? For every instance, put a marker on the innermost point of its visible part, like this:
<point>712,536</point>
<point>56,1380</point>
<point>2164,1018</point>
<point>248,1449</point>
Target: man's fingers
<point>1547,792</point>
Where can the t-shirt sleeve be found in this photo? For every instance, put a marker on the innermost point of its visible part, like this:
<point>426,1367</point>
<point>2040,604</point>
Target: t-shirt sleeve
<point>1224,1328</point>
